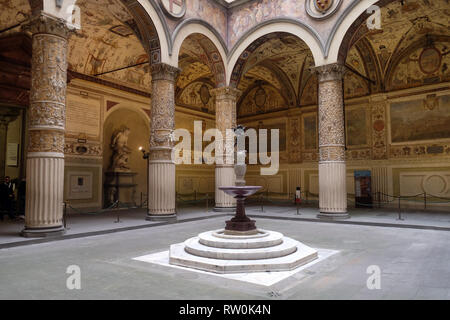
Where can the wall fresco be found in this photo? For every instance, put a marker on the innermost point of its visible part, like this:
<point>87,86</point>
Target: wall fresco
<point>418,120</point>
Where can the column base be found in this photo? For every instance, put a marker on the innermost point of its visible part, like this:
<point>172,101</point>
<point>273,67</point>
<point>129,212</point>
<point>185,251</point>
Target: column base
<point>224,209</point>
<point>333,216</point>
<point>43,232</point>
<point>161,217</point>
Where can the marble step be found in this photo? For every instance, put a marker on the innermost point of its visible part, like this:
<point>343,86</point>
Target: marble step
<point>302,255</point>
<point>217,239</point>
<point>194,247</point>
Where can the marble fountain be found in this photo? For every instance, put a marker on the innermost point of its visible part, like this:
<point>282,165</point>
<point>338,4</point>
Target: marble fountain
<point>241,247</point>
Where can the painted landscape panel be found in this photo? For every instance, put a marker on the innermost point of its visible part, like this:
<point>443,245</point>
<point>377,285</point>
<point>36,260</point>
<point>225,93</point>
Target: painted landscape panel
<point>419,120</point>
<point>310,132</point>
<point>356,127</point>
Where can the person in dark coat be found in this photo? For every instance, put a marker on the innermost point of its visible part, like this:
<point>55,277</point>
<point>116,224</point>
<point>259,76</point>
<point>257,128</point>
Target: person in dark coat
<point>7,198</point>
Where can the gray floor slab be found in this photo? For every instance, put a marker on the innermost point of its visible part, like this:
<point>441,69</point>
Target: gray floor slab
<point>413,263</point>
<point>106,222</point>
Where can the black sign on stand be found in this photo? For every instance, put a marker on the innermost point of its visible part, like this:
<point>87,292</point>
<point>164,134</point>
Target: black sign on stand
<point>363,189</point>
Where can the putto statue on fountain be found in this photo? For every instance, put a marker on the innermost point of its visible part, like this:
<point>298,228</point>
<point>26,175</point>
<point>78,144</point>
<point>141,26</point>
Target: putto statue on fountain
<point>240,168</point>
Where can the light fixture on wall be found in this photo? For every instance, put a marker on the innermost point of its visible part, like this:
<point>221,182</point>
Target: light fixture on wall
<point>145,154</point>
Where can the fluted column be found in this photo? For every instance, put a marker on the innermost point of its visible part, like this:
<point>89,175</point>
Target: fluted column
<point>46,116</point>
<point>225,119</point>
<point>161,179</point>
<point>332,168</point>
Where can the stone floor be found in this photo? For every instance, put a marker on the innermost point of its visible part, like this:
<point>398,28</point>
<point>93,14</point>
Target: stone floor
<point>414,262</point>
<point>79,225</point>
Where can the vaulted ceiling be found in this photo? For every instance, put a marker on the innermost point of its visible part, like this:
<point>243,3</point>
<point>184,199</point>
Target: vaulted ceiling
<point>377,60</point>
<point>391,58</point>
<point>106,42</point>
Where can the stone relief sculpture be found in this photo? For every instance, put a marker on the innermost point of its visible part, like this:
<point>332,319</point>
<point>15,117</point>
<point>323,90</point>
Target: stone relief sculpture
<point>121,152</point>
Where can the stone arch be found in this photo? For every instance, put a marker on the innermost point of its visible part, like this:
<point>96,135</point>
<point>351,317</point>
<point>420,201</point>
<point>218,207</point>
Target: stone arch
<point>257,35</point>
<point>151,27</point>
<point>119,106</point>
<point>211,42</point>
<point>346,27</point>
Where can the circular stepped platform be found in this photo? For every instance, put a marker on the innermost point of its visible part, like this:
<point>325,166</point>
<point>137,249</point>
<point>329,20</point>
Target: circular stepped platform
<point>217,252</point>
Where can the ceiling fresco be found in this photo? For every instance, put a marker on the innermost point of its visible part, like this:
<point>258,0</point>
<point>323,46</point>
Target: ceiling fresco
<point>411,49</point>
<point>261,99</point>
<point>106,42</point>
<point>285,51</point>
<point>13,12</point>
<point>197,95</point>
<point>402,25</point>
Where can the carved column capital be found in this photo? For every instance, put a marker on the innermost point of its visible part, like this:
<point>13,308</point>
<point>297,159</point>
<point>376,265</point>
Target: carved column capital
<point>226,93</point>
<point>330,72</point>
<point>47,24</point>
<point>162,71</point>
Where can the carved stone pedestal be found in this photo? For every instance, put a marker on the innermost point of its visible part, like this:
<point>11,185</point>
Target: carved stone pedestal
<point>120,186</point>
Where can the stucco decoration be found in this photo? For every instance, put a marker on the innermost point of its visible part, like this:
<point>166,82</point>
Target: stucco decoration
<point>174,8</point>
<point>322,9</point>
<point>206,10</point>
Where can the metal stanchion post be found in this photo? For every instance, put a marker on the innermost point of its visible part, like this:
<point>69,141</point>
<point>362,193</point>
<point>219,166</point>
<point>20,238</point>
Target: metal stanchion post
<point>207,198</point>
<point>298,197</point>
<point>65,214</point>
<point>399,209</point>
<point>118,213</point>
<point>379,199</point>
<point>425,201</point>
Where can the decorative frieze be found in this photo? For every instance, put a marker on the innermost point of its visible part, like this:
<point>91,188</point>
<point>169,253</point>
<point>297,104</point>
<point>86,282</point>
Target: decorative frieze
<point>163,105</point>
<point>379,128</point>
<point>295,151</point>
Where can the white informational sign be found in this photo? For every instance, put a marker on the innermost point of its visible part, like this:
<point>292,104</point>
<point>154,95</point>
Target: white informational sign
<point>80,185</point>
<point>12,155</point>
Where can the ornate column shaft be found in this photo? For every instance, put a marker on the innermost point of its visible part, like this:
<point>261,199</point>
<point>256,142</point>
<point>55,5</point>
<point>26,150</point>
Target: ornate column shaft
<point>332,167</point>
<point>161,179</point>
<point>226,98</point>
<point>46,116</point>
